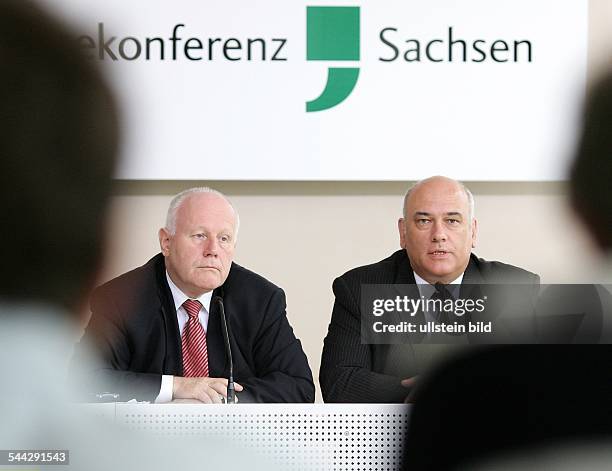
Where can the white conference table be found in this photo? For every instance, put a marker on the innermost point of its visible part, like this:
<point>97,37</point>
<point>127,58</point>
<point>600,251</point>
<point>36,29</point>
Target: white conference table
<point>300,436</point>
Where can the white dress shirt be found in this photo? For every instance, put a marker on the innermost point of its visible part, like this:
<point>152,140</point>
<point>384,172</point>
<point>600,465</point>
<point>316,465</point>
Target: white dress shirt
<point>167,383</point>
<point>426,290</point>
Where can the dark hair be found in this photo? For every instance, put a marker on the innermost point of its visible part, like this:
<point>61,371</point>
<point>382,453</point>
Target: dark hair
<point>58,149</point>
<point>591,174</point>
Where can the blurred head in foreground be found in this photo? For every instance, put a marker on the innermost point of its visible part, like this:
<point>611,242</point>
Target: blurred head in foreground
<point>58,147</point>
<point>591,174</point>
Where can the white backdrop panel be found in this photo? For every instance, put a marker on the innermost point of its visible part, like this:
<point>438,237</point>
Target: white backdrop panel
<point>246,120</point>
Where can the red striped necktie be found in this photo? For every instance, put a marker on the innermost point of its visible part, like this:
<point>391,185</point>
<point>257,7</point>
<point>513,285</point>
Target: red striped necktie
<point>193,342</point>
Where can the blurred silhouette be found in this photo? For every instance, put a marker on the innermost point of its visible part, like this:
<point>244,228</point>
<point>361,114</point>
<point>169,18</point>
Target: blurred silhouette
<point>59,141</point>
<point>59,149</point>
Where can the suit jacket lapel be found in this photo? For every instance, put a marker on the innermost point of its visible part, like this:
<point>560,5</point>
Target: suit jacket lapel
<point>173,359</point>
<point>472,273</point>
<point>473,287</point>
<point>404,275</point>
<point>403,269</point>
<point>472,279</point>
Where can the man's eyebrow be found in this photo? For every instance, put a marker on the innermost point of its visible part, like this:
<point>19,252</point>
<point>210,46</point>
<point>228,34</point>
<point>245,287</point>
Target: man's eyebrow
<point>450,213</point>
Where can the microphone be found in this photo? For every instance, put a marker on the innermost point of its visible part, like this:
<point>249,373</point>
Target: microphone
<point>231,393</point>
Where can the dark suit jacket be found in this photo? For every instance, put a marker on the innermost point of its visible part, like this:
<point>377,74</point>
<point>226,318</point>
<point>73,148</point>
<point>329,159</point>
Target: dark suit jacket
<point>356,372</point>
<point>134,327</point>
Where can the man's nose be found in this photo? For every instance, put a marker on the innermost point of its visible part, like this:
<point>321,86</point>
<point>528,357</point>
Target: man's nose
<point>438,232</point>
<point>211,247</point>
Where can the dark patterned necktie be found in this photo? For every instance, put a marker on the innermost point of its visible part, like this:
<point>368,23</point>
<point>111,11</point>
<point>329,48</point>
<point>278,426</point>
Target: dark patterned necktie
<point>443,294</point>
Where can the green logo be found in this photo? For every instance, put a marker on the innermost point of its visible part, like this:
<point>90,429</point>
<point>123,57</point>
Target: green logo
<point>332,34</point>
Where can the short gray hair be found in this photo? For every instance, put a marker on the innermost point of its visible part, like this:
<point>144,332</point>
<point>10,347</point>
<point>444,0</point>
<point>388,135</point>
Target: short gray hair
<point>467,191</point>
<point>180,198</point>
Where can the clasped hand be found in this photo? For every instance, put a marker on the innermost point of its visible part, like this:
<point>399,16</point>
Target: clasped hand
<point>203,389</point>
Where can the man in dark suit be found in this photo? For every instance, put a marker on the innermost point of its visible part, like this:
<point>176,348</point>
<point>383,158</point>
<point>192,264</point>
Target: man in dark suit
<point>437,233</point>
<point>158,327</point>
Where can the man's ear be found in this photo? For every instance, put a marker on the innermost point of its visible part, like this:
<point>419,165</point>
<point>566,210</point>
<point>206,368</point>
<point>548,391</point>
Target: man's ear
<point>474,232</point>
<point>164,241</point>
<point>401,227</point>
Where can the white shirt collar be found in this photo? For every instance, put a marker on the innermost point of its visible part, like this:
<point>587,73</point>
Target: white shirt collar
<point>421,281</point>
<point>180,297</point>
<point>426,289</point>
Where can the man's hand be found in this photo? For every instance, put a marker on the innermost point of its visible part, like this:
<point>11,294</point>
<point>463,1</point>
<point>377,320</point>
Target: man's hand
<point>204,389</point>
<point>411,384</point>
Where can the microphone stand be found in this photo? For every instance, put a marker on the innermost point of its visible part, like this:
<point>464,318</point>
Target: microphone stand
<point>231,393</point>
